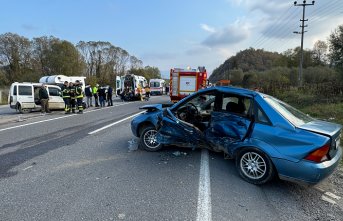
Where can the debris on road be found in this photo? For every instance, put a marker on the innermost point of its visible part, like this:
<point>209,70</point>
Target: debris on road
<point>178,153</point>
<point>132,145</point>
<point>121,216</point>
<point>20,119</point>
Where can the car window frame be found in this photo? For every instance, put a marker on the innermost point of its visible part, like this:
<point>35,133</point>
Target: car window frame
<point>220,100</point>
<point>257,107</point>
<point>26,87</point>
<point>52,89</point>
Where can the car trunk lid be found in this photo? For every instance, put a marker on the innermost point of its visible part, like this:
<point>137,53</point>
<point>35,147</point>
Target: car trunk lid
<point>329,129</point>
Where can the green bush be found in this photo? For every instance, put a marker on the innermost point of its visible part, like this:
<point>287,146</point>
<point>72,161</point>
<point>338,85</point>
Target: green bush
<point>4,96</point>
<point>329,112</point>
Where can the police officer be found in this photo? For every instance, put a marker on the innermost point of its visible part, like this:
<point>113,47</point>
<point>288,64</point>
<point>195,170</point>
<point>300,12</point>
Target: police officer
<point>79,96</point>
<point>66,97</point>
<point>72,92</point>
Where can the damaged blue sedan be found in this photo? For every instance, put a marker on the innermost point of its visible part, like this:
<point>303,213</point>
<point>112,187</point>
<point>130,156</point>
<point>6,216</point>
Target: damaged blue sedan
<point>264,135</point>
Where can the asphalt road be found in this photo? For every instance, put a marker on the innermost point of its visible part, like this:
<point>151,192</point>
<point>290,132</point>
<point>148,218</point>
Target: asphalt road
<point>57,167</point>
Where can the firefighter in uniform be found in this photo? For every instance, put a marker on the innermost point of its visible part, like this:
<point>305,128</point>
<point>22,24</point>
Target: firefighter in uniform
<point>66,97</point>
<point>79,96</point>
<point>72,92</point>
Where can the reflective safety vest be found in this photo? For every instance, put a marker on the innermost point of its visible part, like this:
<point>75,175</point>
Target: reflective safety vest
<point>65,92</point>
<point>95,90</point>
<point>72,92</point>
<point>78,92</point>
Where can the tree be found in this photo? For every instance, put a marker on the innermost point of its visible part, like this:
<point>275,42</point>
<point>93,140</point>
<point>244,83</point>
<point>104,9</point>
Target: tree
<point>16,55</point>
<point>147,72</point>
<point>105,61</point>
<point>64,58</point>
<point>41,48</point>
<point>336,48</point>
<point>319,51</point>
<point>3,79</point>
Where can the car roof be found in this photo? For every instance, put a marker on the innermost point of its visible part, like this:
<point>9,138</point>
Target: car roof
<point>230,89</point>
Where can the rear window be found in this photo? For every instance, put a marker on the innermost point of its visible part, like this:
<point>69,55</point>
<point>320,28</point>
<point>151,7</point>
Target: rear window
<point>294,116</point>
<point>25,90</point>
<point>15,90</point>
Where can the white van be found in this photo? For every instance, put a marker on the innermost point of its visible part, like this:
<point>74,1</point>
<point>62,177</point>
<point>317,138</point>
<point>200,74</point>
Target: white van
<point>24,97</point>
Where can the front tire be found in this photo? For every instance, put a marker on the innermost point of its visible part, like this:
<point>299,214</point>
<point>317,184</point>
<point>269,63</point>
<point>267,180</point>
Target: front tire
<point>254,166</point>
<point>148,139</point>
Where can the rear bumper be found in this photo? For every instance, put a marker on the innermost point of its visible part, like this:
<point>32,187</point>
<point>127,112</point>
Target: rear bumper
<point>305,171</point>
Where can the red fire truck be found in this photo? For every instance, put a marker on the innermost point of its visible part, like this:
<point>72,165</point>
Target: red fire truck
<point>184,82</point>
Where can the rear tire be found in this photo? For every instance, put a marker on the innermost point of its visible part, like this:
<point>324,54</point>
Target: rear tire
<point>148,139</point>
<point>254,166</point>
<point>21,110</point>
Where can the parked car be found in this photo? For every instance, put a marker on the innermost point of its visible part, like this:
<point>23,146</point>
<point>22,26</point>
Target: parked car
<point>264,135</point>
<point>24,97</point>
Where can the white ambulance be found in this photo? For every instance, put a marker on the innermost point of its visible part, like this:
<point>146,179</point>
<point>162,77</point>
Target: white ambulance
<point>24,97</point>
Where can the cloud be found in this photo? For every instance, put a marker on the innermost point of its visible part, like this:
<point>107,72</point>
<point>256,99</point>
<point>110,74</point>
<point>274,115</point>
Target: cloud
<point>208,28</point>
<point>265,6</point>
<point>234,33</point>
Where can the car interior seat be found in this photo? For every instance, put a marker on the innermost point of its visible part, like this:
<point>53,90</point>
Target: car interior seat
<point>235,108</point>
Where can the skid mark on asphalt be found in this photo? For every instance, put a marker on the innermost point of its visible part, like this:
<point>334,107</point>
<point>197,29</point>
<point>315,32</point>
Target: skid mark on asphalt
<point>82,163</point>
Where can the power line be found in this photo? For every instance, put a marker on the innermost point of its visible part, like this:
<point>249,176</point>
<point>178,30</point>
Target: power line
<point>304,4</point>
<point>283,33</point>
<point>279,19</point>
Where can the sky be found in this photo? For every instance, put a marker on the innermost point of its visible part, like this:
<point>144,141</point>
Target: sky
<point>175,33</point>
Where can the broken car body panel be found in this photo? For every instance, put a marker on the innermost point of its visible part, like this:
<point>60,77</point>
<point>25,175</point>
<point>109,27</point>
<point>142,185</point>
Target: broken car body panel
<point>231,120</point>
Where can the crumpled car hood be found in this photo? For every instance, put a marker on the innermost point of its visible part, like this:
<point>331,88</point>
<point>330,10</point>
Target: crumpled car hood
<point>155,107</point>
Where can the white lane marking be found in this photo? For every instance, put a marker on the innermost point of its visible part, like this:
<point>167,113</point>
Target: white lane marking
<point>27,168</point>
<point>333,196</point>
<point>204,209</point>
<point>37,122</point>
<point>327,199</point>
<point>117,122</point>
<point>57,118</point>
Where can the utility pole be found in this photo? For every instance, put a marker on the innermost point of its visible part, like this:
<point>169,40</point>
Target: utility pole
<point>304,4</point>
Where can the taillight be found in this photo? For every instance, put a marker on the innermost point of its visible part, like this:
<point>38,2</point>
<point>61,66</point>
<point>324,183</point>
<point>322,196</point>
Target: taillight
<point>319,155</point>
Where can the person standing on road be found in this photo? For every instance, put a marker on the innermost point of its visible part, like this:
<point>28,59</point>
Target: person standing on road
<point>95,94</point>
<point>89,95</point>
<point>44,99</point>
<point>102,96</point>
<point>72,91</point>
<point>66,97</point>
<point>79,96</point>
<point>109,96</point>
<point>147,93</point>
<point>140,92</point>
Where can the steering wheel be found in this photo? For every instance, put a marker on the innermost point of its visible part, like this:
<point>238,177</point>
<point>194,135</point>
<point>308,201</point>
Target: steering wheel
<point>192,109</point>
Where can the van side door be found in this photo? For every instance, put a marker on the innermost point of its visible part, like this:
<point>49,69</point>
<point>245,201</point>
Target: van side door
<point>25,96</point>
<point>55,99</point>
